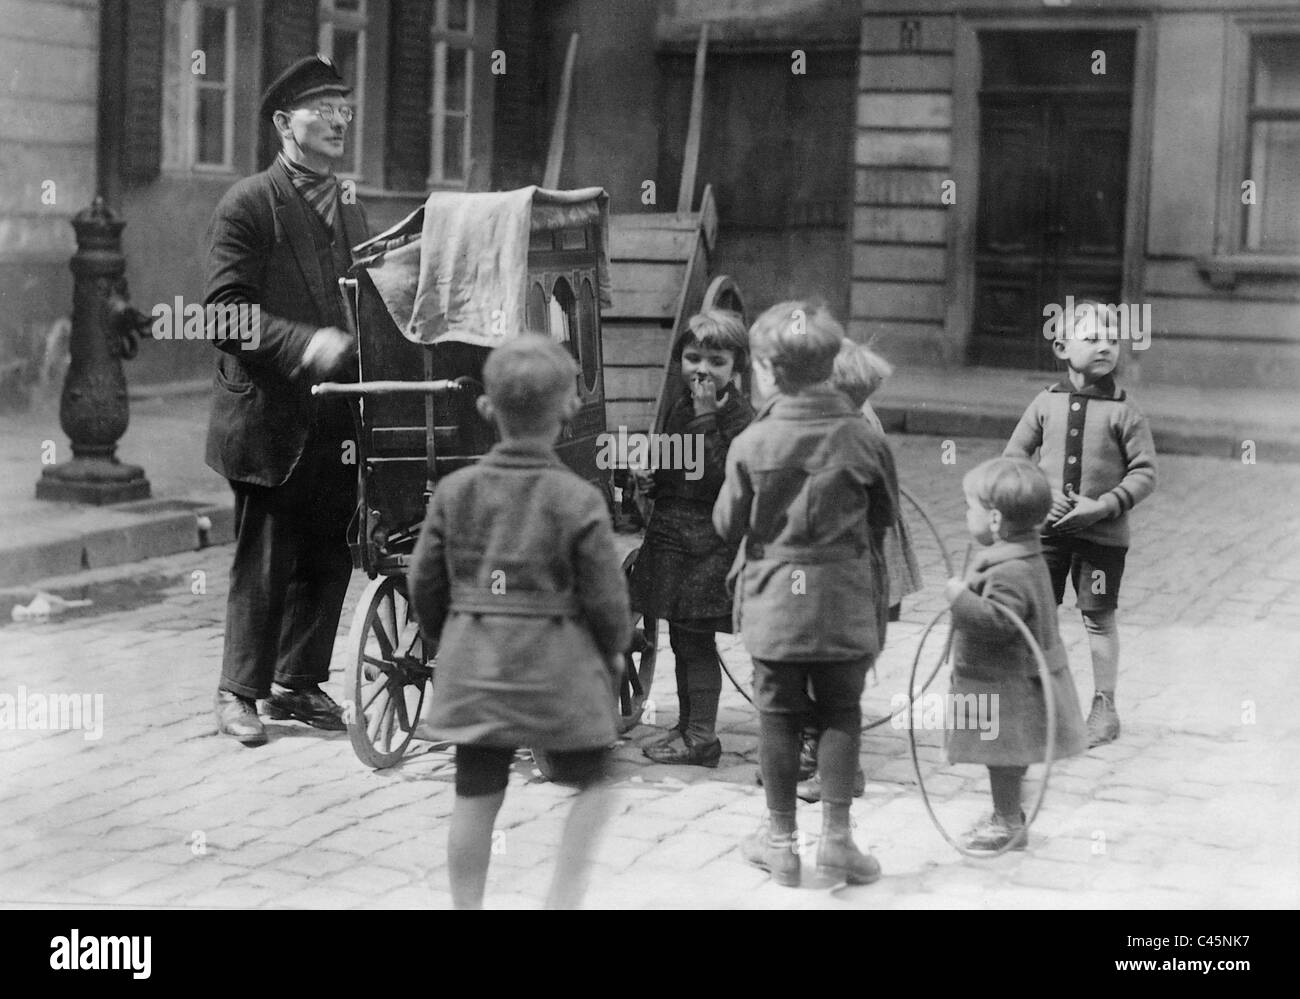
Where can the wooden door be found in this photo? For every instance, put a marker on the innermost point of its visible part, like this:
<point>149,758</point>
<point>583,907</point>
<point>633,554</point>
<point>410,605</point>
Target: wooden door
<point>1053,187</point>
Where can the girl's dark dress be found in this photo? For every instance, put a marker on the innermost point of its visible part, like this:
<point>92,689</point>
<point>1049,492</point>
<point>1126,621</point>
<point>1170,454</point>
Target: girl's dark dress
<point>681,573</point>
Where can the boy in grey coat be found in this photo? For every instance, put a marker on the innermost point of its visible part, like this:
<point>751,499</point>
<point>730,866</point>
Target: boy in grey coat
<point>811,489</point>
<point>517,580</point>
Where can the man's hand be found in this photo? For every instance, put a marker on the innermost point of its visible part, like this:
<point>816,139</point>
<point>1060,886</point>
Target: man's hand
<point>953,588</point>
<point>328,349</point>
<point>1086,511</point>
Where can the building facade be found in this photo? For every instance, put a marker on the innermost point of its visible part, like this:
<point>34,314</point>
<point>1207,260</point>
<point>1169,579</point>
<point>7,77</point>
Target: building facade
<point>939,171</point>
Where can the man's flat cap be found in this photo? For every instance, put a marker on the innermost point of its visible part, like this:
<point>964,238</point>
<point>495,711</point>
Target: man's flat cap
<point>305,78</point>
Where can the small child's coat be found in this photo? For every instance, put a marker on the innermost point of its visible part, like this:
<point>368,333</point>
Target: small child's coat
<point>992,659</point>
<point>516,570</point>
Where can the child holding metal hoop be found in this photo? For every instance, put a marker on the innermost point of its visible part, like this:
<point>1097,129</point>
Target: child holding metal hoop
<point>995,675</point>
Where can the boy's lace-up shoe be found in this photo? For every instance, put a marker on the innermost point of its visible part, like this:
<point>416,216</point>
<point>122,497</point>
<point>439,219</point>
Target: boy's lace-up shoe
<point>1103,720</point>
<point>840,860</point>
<point>995,832</point>
<point>776,854</point>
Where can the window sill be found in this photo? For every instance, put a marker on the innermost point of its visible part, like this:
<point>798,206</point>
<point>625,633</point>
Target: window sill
<point>1223,271</point>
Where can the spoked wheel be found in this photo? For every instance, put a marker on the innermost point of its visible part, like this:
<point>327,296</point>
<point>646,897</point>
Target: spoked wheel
<point>388,673</point>
<point>638,664</point>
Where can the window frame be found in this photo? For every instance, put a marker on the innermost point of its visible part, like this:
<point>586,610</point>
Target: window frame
<point>1255,114</point>
<point>183,156</point>
<point>1230,258</point>
<point>445,38</point>
<point>330,17</point>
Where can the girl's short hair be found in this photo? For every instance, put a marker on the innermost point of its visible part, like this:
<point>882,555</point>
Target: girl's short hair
<point>1015,487</point>
<point>716,329</point>
<point>526,376</point>
<point>800,339</point>
<point>859,371</point>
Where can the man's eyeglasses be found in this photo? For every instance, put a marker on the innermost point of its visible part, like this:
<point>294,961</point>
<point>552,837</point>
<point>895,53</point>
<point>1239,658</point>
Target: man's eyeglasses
<point>328,114</point>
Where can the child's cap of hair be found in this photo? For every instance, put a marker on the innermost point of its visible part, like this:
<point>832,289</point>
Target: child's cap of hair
<point>1015,487</point>
<point>859,371</point>
<point>716,329</point>
<point>1097,307</point>
<point>800,339</point>
<point>525,376</point>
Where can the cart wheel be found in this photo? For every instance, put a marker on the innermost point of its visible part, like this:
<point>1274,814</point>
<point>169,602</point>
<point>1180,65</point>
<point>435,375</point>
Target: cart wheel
<point>638,663</point>
<point>388,673</point>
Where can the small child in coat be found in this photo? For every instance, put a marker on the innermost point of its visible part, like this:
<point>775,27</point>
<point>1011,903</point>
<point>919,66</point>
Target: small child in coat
<point>998,716</point>
<point>810,489</point>
<point>681,573</point>
<point>516,575</point>
<point>1096,449</point>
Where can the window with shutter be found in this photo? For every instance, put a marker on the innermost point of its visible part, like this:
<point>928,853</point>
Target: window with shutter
<point>141,148</point>
<point>407,144</point>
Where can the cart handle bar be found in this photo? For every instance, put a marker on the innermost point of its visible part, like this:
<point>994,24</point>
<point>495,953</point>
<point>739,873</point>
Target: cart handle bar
<point>462,384</point>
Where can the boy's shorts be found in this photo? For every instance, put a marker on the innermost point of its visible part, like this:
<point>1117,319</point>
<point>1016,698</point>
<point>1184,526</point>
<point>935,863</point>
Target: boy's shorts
<point>1094,570</point>
<point>484,770</point>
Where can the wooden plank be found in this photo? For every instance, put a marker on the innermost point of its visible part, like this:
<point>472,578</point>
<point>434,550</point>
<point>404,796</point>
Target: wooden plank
<point>709,218</point>
<point>634,343</point>
<point>654,220</point>
<point>925,111</point>
<point>900,148</point>
<point>637,417</point>
<point>646,276</point>
<point>555,152</point>
<point>905,71</point>
<point>691,157</point>
<point>893,187</point>
<point>885,33</point>
<point>897,300</point>
<point>883,260</point>
<point>901,225</point>
<point>626,243</point>
<point>641,305</point>
<point>633,383</point>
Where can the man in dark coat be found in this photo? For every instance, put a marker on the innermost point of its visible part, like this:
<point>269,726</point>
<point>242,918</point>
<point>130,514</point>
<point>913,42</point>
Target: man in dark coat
<point>279,241</point>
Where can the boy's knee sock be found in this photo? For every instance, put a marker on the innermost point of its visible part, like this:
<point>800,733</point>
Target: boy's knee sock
<point>1103,642</point>
<point>1006,785</point>
<point>778,755</point>
<point>837,762</point>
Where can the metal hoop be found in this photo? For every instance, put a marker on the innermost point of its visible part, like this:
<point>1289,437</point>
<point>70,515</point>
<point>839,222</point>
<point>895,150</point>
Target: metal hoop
<point>1045,678</point>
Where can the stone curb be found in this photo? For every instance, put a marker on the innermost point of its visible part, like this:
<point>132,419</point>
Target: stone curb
<point>150,528</point>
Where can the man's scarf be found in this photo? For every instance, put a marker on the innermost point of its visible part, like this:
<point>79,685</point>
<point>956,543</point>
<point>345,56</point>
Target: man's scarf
<point>321,190</point>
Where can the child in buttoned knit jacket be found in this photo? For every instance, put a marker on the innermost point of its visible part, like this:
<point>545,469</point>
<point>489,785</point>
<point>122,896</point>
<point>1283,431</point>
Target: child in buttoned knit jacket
<point>998,715</point>
<point>1095,447</point>
<point>516,578</point>
<point>811,489</point>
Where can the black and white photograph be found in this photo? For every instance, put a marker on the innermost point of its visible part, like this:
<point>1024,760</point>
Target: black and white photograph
<point>824,454</point>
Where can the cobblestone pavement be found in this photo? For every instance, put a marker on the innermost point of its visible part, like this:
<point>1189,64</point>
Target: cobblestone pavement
<point>1195,806</point>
